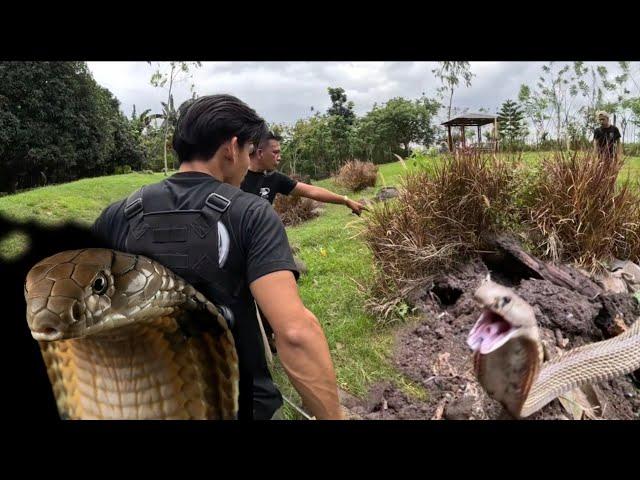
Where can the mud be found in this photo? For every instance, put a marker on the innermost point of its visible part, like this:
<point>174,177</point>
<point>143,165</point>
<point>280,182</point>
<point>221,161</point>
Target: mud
<point>434,354</point>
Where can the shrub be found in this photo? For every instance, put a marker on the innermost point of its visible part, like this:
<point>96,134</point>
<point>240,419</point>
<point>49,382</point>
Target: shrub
<point>442,214</point>
<point>357,175</point>
<point>293,209</point>
<point>576,210</point>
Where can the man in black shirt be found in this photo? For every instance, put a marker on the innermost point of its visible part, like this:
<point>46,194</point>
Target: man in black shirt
<point>265,181</point>
<point>606,138</point>
<point>213,140</point>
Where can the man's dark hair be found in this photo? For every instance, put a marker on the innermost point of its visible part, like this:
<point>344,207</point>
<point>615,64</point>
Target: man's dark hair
<point>207,122</point>
<point>269,136</point>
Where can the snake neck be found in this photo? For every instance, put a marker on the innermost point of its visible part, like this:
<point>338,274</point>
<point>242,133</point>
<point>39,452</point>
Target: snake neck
<point>508,373</point>
<point>591,363</point>
<point>137,373</point>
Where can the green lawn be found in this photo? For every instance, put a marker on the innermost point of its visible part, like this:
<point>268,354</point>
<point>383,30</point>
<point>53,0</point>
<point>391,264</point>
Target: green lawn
<point>632,164</point>
<point>336,260</point>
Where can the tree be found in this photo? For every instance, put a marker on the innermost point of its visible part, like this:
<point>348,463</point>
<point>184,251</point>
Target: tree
<point>511,127</point>
<point>397,123</point>
<point>535,107</point>
<point>310,149</point>
<point>450,74</point>
<point>619,88</point>
<point>340,106</point>
<point>590,87</point>
<point>58,124</point>
<point>140,123</point>
<point>174,73</point>
<point>633,104</point>
<point>554,98</point>
<point>570,95</point>
<point>558,86</point>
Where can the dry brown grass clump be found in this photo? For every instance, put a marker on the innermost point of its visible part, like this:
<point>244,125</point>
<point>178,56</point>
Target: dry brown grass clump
<point>294,210</point>
<point>441,215</point>
<point>576,210</point>
<point>357,175</point>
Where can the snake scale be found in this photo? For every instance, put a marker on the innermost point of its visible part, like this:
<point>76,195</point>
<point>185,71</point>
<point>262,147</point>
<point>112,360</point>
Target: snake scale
<point>123,337</point>
<point>509,355</point>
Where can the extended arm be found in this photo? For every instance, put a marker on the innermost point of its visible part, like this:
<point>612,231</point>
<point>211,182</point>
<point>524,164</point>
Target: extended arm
<point>325,196</point>
<point>301,343</point>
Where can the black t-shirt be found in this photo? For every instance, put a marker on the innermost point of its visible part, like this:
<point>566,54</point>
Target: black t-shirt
<point>258,246</point>
<point>607,137</point>
<point>267,184</point>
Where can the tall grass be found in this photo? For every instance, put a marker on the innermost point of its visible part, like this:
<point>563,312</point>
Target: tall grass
<point>356,175</point>
<point>571,207</point>
<point>294,210</point>
<point>577,209</point>
<point>442,214</point>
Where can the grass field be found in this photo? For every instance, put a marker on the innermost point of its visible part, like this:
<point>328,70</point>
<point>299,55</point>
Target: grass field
<point>335,258</point>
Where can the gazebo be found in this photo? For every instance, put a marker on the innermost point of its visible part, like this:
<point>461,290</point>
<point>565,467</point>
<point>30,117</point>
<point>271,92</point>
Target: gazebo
<point>473,120</point>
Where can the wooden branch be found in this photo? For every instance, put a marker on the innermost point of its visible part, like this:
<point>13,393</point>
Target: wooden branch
<point>558,275</point>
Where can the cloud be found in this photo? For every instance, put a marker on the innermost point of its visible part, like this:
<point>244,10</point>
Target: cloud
<point>286,91</point>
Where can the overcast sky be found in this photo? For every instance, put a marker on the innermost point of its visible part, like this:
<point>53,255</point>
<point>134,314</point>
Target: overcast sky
<point>286,91</point>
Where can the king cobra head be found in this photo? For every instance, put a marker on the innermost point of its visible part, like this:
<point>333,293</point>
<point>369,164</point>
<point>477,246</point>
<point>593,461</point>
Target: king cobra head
<point>82,292</point>
<point>505,339</point>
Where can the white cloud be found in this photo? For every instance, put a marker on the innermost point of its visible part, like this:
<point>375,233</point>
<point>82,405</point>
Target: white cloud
<point>285,91</point>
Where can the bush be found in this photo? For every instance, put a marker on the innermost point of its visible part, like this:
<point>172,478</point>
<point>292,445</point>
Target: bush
<point>631,149</point>
<point>577,211</point>
<point>122,169</point>
<point>293,209</point>
<point>357,175</point>
<point>442,214</point>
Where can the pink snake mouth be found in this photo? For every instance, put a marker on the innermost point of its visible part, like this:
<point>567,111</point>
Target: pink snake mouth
<point>490,332</point>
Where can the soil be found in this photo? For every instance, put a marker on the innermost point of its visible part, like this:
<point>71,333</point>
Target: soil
<point>434,353</point>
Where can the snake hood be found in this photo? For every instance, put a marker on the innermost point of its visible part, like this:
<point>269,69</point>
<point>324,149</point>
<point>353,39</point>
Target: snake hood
<point>505,316</point>
<point>84,292</point>
<point>123,337</point>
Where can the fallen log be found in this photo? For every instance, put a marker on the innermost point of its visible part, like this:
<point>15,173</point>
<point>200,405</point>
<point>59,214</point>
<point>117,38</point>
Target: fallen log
<point>608,320</point>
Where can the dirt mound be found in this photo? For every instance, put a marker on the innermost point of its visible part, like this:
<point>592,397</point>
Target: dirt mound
<point>386,402</point>
<point>559,307</point>
<point>434,353</point>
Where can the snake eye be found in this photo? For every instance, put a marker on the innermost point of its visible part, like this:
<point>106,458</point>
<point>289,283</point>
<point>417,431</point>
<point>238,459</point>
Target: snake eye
<point>99,285</point>
<point>505,300</point>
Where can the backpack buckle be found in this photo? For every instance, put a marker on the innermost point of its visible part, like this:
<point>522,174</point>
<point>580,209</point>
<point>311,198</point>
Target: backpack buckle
<point>133,208</point>
<point>218,202</point>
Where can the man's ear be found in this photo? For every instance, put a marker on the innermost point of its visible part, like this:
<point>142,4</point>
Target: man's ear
<point>235,148</point>
<point>232,149</point>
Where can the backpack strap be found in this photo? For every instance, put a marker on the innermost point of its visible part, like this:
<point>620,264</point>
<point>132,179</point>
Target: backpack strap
<point>216,205</point>
<point>134,213</point>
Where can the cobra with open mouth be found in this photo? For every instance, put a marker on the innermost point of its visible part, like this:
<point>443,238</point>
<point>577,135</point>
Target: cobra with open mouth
<point>508,356</point>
